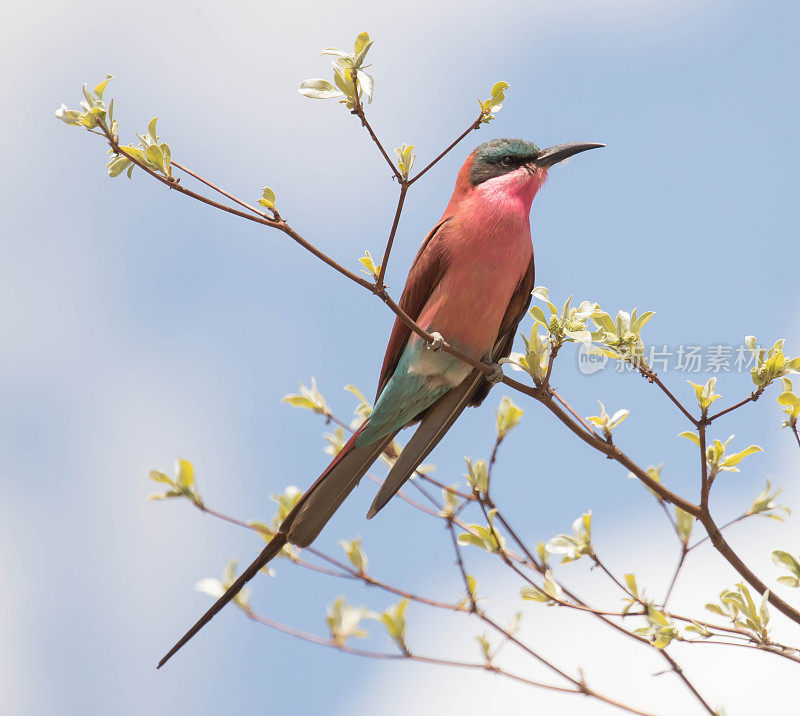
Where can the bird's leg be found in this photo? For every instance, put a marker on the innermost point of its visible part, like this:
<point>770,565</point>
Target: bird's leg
<point>497,371</point>
<point>437,342</point>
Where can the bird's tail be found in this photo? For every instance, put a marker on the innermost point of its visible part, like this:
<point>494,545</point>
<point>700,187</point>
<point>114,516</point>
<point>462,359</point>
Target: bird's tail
<point>435,423</point>
<point>306,520</point>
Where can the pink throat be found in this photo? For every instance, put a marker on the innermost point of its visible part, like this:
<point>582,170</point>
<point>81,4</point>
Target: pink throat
<point>513,192</point>
<point>487,253</point>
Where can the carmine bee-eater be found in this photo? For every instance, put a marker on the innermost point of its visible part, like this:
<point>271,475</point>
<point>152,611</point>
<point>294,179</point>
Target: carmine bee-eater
<point>470,284</point>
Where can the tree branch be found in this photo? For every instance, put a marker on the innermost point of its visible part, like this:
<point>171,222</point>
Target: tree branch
<point>472,127</point>
<point>321,641</point>
<point>755,395</point>
<point>652,377</point>
<point>390,242</point>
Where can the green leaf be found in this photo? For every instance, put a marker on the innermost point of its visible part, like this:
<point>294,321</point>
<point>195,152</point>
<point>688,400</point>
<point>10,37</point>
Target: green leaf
<point>298,401</point>
<point>608,422</point>
<point>319,89</point>
<point>157,476</point>
<point>119,164</point>
<point>100,88</point>
<point>286,501</point>
<point>684,523</point>
<point>550,592</point>
<point>764,504</point>
<point>394,619</point>
<point>405,158</point>
<point>154,156</point>
<point>309,398</point>
<point>185,473</point>
<point>216,588</point>
<point>336,442</point>
<point>483,536</point>
<point>494,103</point>
<point>630,580</point>
<point>366,84</point>
<point>508,415</point>
<point>264,530</point>
<point>344,621</point>
<point>574,546</point>
<point>355,554</point>
<point>698,628</point>
<point>784,559</point>
<point>210,586</point>
<point>166,158</point>
<point>486,647</point>
<point>736,458</point>
<point>183,485</point>
<point>362,40</point>
<point>705,393</point>
<point>477,475</point>
<point>68,116</point>
<point>268,198</point>
<point>370,268</point>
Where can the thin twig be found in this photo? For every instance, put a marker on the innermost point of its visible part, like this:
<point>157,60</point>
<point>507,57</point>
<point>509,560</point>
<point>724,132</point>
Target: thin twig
<point>274,224</point>
<point>390,242</point>
<point>779,651</point>
<point>679,671</point>
<point>722,527</point>
<point>358,110</point>
<point>508,635</point>
<point>755,395</point>
<point>652,377</point>
<point>343,647</point>
<point>473,605</point>
<point>492,459</point>
<point>681,560</point>
<point>550,362</point>
<point>218,189</point>
<point>472,127</point>
<point>572,412</point>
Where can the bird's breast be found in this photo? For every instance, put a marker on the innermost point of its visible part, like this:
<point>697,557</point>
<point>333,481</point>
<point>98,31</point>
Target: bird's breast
<point>485,264</point>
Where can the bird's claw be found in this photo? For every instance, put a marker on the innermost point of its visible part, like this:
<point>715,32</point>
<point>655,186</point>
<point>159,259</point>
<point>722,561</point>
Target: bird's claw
<point>437,342</point>
<point>496,375</point>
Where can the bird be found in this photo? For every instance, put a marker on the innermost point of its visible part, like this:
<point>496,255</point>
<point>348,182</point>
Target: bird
<point>470,284</point>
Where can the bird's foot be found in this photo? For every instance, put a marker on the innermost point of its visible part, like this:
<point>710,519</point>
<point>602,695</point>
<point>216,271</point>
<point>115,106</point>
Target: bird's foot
<point>496,375</point>
<point>437,342</point>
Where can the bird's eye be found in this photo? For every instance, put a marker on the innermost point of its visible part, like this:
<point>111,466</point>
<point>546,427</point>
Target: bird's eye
<point>507,161</point>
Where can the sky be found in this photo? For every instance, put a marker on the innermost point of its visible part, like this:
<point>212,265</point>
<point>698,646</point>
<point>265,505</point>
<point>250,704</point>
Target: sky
<point>140,326</point>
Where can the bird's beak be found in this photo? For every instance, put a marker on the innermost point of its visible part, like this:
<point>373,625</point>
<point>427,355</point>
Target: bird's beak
<point>559,152</point>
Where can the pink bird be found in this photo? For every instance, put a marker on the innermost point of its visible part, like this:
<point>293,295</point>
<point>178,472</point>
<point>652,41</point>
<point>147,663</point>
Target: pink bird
<point>470,284</point>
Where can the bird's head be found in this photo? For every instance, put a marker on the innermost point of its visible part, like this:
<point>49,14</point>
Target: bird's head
<point>513,168</point>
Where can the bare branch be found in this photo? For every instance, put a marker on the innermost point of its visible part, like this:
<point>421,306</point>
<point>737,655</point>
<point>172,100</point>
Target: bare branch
<point>752,398</point>
<point>390,242</point>
<point>651,376</point>
<point>472,127</point>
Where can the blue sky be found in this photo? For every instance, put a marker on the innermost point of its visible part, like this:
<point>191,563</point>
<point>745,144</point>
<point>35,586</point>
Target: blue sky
<point>139,326</point>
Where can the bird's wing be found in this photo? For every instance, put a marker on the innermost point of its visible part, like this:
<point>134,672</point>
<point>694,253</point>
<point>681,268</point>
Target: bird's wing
<point>437,419</point>
<point>508,327</point>
<point>424,275</point>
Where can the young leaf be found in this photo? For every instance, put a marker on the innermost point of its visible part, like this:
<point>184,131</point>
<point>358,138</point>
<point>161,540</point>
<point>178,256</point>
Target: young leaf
<point>319,89</point>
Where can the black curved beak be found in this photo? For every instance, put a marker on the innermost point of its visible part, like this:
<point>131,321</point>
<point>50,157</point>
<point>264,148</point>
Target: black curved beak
<point>559,152</point>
